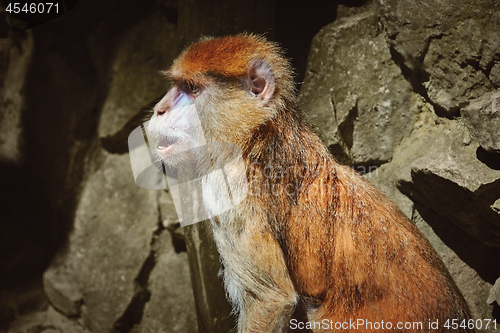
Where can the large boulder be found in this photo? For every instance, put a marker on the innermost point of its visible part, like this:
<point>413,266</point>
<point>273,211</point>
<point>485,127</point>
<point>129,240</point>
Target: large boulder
<point>98,275</point>
<point>135,79</point>
<point>354,93</point>
<point>449,179</point>
<point>482,119</point>
<point>121,270</point>
<point>446,48</point>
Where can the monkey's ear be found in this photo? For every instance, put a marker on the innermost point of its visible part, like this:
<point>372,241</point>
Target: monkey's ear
<point>259,80</point>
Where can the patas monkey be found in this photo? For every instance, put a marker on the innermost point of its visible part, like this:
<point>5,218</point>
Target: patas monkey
<point>309,229</point>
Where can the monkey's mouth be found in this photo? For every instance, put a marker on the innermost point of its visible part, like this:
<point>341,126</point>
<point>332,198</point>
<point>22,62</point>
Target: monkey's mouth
<point>165,145</point>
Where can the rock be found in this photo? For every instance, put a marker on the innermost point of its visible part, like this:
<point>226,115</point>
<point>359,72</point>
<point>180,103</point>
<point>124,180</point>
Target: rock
<point>495,74</point>
<point>446,47</point>
<point>213,309</point>
<point>15,55</point>
<point>63,295</point>
<point>388,175</point>
<point>354,93</point>
<point>109,244</point>
<point>27,231</point>
<point>494,295</point>
<point>449,179</point>
<point>171,308</point>
<point>167,209</point>
<point>496,206</point>
<point>482,119</point>
<point>47,321</point>
<point>121,271</point>
<point>135,78</point>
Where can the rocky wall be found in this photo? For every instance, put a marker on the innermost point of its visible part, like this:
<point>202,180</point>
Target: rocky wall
<point>72,91</point>
<point>408,94</point>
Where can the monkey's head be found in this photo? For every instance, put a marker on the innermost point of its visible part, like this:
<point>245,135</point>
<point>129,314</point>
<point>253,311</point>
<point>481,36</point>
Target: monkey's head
<point>223,89</point>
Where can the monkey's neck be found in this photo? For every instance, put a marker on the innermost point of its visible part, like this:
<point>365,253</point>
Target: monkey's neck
<point>287,140</point>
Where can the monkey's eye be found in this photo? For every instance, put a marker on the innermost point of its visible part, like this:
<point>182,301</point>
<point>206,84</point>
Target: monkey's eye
<point>191,88</point>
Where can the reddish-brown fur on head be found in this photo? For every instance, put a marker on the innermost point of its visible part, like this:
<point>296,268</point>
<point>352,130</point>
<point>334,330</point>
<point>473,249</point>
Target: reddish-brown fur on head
<point>229,58</point>
<point>207,56</point>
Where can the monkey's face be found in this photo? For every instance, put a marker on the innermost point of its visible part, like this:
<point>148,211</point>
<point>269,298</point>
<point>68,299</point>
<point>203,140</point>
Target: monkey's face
<point>175,127</point>
<point>223,90</point>
<point>194,113</point>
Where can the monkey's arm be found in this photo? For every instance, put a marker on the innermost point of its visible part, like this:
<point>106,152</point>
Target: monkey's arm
<point>256,278</point>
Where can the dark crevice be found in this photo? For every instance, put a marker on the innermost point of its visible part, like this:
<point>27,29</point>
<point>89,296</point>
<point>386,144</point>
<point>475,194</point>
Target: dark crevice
<point>256,13</point>
<point>296,25</point>
<point>492,160</point>
<point>428,41</point>
<point>341,150</point>
<point>178,240</point>
<point>133,313</point>
<point>340,153</point>
<point>474,63</point>
<point>346,128</point>
<point>332,100</point>
<point>135,310</point>
<point>469,210</point>
<point>489,67</point>
<point>170,13</point>
<point>496,312</point>
<point>452,223</point>
<point>473,252</point>
<point>416,75</point>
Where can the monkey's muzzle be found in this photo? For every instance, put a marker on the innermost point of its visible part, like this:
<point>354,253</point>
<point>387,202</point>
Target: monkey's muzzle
<point>165,145</point>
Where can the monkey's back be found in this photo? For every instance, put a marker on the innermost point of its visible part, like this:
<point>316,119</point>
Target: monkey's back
<point>348,249</point>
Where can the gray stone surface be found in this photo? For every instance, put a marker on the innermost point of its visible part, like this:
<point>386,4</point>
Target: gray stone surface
<point>108,246</point>
<point>447,48</point>
<point>449,179</point>
<point>353,90</point>
<point>171,308</point>
<point>471,263</point>
<point>15,56</point>
<point>46,321</point>
<point>482,119</point>
<point>66,297</point>
<point>142,52</point>
<point>494,295</point>
<point>389,175</point>
<point>120,271</point>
